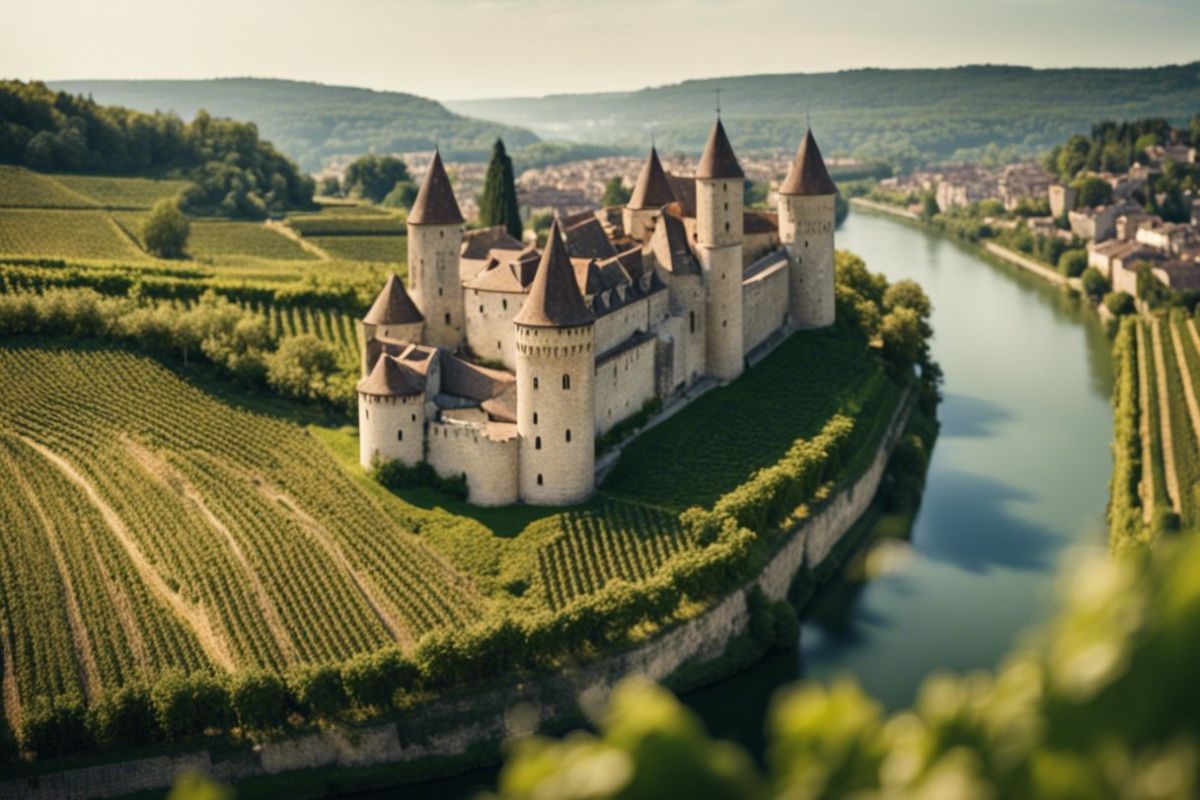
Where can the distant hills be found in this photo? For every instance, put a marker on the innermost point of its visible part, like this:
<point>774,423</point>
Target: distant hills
<point>313,122</point>
<point>904,116</point>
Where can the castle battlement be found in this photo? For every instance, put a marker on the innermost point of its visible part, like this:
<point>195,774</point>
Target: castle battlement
<point>620,307</point>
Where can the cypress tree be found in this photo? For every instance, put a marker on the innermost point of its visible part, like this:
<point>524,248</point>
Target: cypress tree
<point>498,205</point>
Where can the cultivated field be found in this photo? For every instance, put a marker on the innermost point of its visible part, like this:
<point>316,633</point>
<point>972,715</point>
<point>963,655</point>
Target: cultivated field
<point>54,233</point>
<point>1156,471</point>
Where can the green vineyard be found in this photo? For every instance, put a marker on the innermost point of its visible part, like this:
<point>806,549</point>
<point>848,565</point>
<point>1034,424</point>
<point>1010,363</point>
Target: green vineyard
<point>65,234</point>
<point>1156,461</point>
<point>149,526</point>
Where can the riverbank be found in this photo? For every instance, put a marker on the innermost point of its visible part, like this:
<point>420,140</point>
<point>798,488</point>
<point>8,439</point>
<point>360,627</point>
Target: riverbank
<point>464,730</point>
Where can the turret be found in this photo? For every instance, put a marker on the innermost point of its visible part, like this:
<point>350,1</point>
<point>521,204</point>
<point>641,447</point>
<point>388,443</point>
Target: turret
<point>391,415</point>
<point>720,184</point>
<point>434,244</point>
<point>806,216</point>
<point>555,342</point>
<point>393,315</point>
<point>651,192</point>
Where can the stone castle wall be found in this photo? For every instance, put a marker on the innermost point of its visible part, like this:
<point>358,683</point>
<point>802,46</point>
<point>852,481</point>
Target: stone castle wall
<point>701,638</point>
<point>490,332</point>
<point>489,464</point>
<point>765,305</point>
<point>392,428</point>
<point>624,382</point>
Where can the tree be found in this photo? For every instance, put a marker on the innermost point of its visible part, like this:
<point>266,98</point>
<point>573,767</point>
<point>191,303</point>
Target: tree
<point>1094,284</point>
<point>329,186</point>
<point>374,177</point>
<point>301,366</point>
<point>908,294</point>
<point>903,337</point>
<point>259,699</point>
<point>615,193</point>
<point>498,204</point>
<point>1093,192</point>
<point>1072,263</point>
<point>1119,303</point>
<point>929,206</point>
<point>166,230</point>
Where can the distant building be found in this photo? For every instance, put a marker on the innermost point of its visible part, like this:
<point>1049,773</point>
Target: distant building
<point>1062,199</point>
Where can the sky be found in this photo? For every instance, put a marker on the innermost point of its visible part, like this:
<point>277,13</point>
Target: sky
<point>458,49</point>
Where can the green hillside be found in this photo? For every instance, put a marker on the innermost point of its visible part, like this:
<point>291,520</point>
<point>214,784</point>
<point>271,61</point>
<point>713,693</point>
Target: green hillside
<point>310,121</point>
<point>901,115</point>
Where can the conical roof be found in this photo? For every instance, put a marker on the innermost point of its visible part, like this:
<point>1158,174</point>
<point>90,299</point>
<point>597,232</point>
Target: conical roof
<point>393,306</point>
<point>554,300</point>
<point>718,160</point>
<point>389,379</point>
<point>435,203</point>
<point>807,174</point>
<point>652,189</point>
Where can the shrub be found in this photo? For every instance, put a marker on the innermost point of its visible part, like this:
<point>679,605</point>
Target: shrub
<point>166,230</point>
<point>188,705</point>
<point>259,700</point>
<point>125,718</point>
<point>1119,303</point>
<point>762,622</point>
<point>395,475</point>
<point>1072,263</point>
<point>785,626</point>
<point>318,690</point>
<point>1094,283</point>
<point>371,680</point>
<point>55,727</point>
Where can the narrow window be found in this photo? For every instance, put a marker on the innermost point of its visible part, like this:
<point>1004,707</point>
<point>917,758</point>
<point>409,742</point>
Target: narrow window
<point>568,434</point>
<point>692,321</point>
<point>440,293</point>
<point>367,412</point>
<point>535,418</point>
<point>399,436</point>
<point>447,317</point>
<point>539,479</point>
<point>480,309</point>
<point>537,443</point>
<point>727,206</point>
<point>727,227</point>
<point>414,417</point>
<point>441,234</point>
<point>535,383</point>
<point>566,381</point>
<point>504,303</point>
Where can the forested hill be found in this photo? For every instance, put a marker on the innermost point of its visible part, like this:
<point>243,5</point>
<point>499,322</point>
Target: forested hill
<point>901,115</point>
<point>310,121</point>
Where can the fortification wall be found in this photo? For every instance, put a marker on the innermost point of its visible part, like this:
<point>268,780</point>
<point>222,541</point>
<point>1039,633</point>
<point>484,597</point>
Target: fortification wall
<point>392,428</point>
<point>550,698</point>
<point>624,383</point>
<point>765,305</point>
<point>489,464</point>
<point>619,325</point>
<point>490,331</point>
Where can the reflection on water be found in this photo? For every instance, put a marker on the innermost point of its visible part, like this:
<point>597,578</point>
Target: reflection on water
<point>1018,476</point>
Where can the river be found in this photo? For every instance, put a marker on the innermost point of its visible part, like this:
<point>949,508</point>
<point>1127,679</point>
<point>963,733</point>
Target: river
<point>1016,487</point>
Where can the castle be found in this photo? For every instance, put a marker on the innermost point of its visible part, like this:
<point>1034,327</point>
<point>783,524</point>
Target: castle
<point>504,364</point>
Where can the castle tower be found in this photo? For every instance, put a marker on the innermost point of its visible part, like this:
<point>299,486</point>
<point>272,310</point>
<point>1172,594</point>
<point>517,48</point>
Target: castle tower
<point>806,217</point>
<point>720,184</point>
<point>391,415</point>
<point>434,244</point>
<point>556,364</point>
<point>651,192</point>
<point>393,315</point>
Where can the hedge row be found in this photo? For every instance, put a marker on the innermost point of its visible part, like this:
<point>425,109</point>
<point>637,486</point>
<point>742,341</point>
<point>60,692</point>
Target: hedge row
<point>39,275</point>
<point>1126,526</point>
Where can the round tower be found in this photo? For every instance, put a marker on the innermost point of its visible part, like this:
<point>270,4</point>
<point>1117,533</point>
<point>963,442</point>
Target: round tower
<point>556,401</point>
<point>394,316</point>
<point>806,218</point>
<point>720,184</point>
<point>391,415</point>
<point>434,245</point>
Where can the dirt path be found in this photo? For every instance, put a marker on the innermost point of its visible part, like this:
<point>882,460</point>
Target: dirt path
<point>1191,324</point>
<point>166,474</point>
<point>212,643</point>
<point>285,230</point>
<point>1164,416</point>
<point>85,653</point>
<point>1185,373</point>
<point>1146,484</point>
<point>125,614</point>
<point>366,587</point>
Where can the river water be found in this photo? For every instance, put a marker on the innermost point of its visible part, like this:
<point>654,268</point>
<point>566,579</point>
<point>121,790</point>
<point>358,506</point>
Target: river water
<point>1016,489</point>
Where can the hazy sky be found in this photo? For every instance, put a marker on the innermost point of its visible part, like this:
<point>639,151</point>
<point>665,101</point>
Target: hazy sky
<point>486,48</point>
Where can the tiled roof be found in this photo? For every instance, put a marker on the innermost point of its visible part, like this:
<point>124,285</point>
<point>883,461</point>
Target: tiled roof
<point>435,203</point>
<point>393,306</point>
<point>390,379</point>
<point>652,189</point>
<point>808,175</point>
<point>718,160</point>
<point>554,300</point>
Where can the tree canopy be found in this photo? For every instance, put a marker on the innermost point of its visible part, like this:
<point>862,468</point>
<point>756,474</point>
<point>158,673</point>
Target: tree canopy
<point>166,230</point>
<point>376,177</point>
<point>498,204</point>
<point>235,172</point>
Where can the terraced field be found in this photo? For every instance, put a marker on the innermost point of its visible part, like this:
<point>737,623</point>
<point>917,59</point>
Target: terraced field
<point>55,233</point>
<point>150,526</point>
<point>121,193</point>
